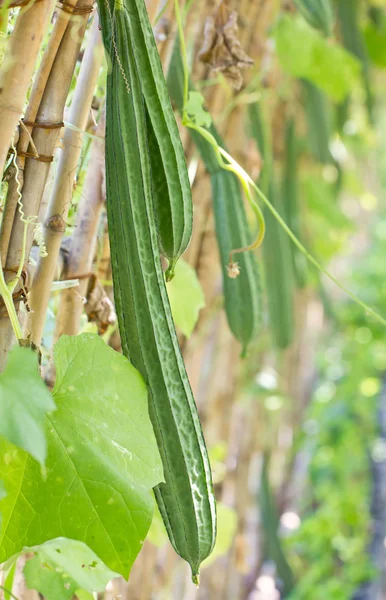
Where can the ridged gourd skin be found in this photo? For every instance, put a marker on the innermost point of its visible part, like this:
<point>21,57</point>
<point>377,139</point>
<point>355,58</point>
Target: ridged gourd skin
<point>172,196</point>
<point>186,500</point>
<point>242,295</point>
<point>278,267</point>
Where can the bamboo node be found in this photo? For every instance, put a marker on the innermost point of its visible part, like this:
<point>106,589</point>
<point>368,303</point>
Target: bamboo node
<point>40,157</point>
<point>22,3</point>
<point>56,223</point>
<point>43,124</point>
<point>74,10</point>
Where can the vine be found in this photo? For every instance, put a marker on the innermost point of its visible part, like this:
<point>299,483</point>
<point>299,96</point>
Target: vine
<point>7,288</point>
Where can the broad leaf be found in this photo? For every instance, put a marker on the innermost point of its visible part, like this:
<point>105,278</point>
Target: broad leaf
<point>102,461</point>
<point>51,583</point>
<point>186,297</point>
<point>24,401</point>
<point>84,595</point>
<point>375,38</point>
<point>64,564</point>
<point>304,52</point>
<point>3,494</point>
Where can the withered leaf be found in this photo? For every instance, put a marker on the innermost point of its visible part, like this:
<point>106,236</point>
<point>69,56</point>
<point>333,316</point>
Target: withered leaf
<point>99,308</point>
<point>222,49</point>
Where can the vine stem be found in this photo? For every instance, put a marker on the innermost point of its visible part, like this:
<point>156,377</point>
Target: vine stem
<point>6,294</point>
<point>7,289</point>
<point>13,282</point>
<point>9,592</point>
<point>234,168</point>
<point>299,245</point>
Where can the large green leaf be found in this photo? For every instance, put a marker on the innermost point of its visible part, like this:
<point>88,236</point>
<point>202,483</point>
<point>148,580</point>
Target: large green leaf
<point>102,461</point>
<point>186,297</point>
<point>304,52</point>
<point>3,494</point>
<point>24,401</point>
<point>63,565</point>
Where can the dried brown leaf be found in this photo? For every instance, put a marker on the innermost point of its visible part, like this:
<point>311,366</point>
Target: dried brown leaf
<point>222,48</point>
<point>99,308</point>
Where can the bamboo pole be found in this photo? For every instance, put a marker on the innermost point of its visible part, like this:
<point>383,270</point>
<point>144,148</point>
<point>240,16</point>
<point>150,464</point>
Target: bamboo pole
<point>84,240</point>
<point>17,68</point>
<point>60,200</point>
<point>45,139</point>
<point>37,91</point>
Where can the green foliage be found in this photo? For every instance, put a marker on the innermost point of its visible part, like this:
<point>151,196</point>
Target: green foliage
<point>44,578</point>
<point>273,544</point>
<point>186,297</point>
<point>62,565</point>
<point>24,402</point>
<point>303,52</point>
<point>102,461</point>
<point>195,110</point>
<point>329,551</point>
<point>330,547</point>
<point>375,39</point>
<point>318,13</point>
<point>327,224</point>
<point>3,494</point>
